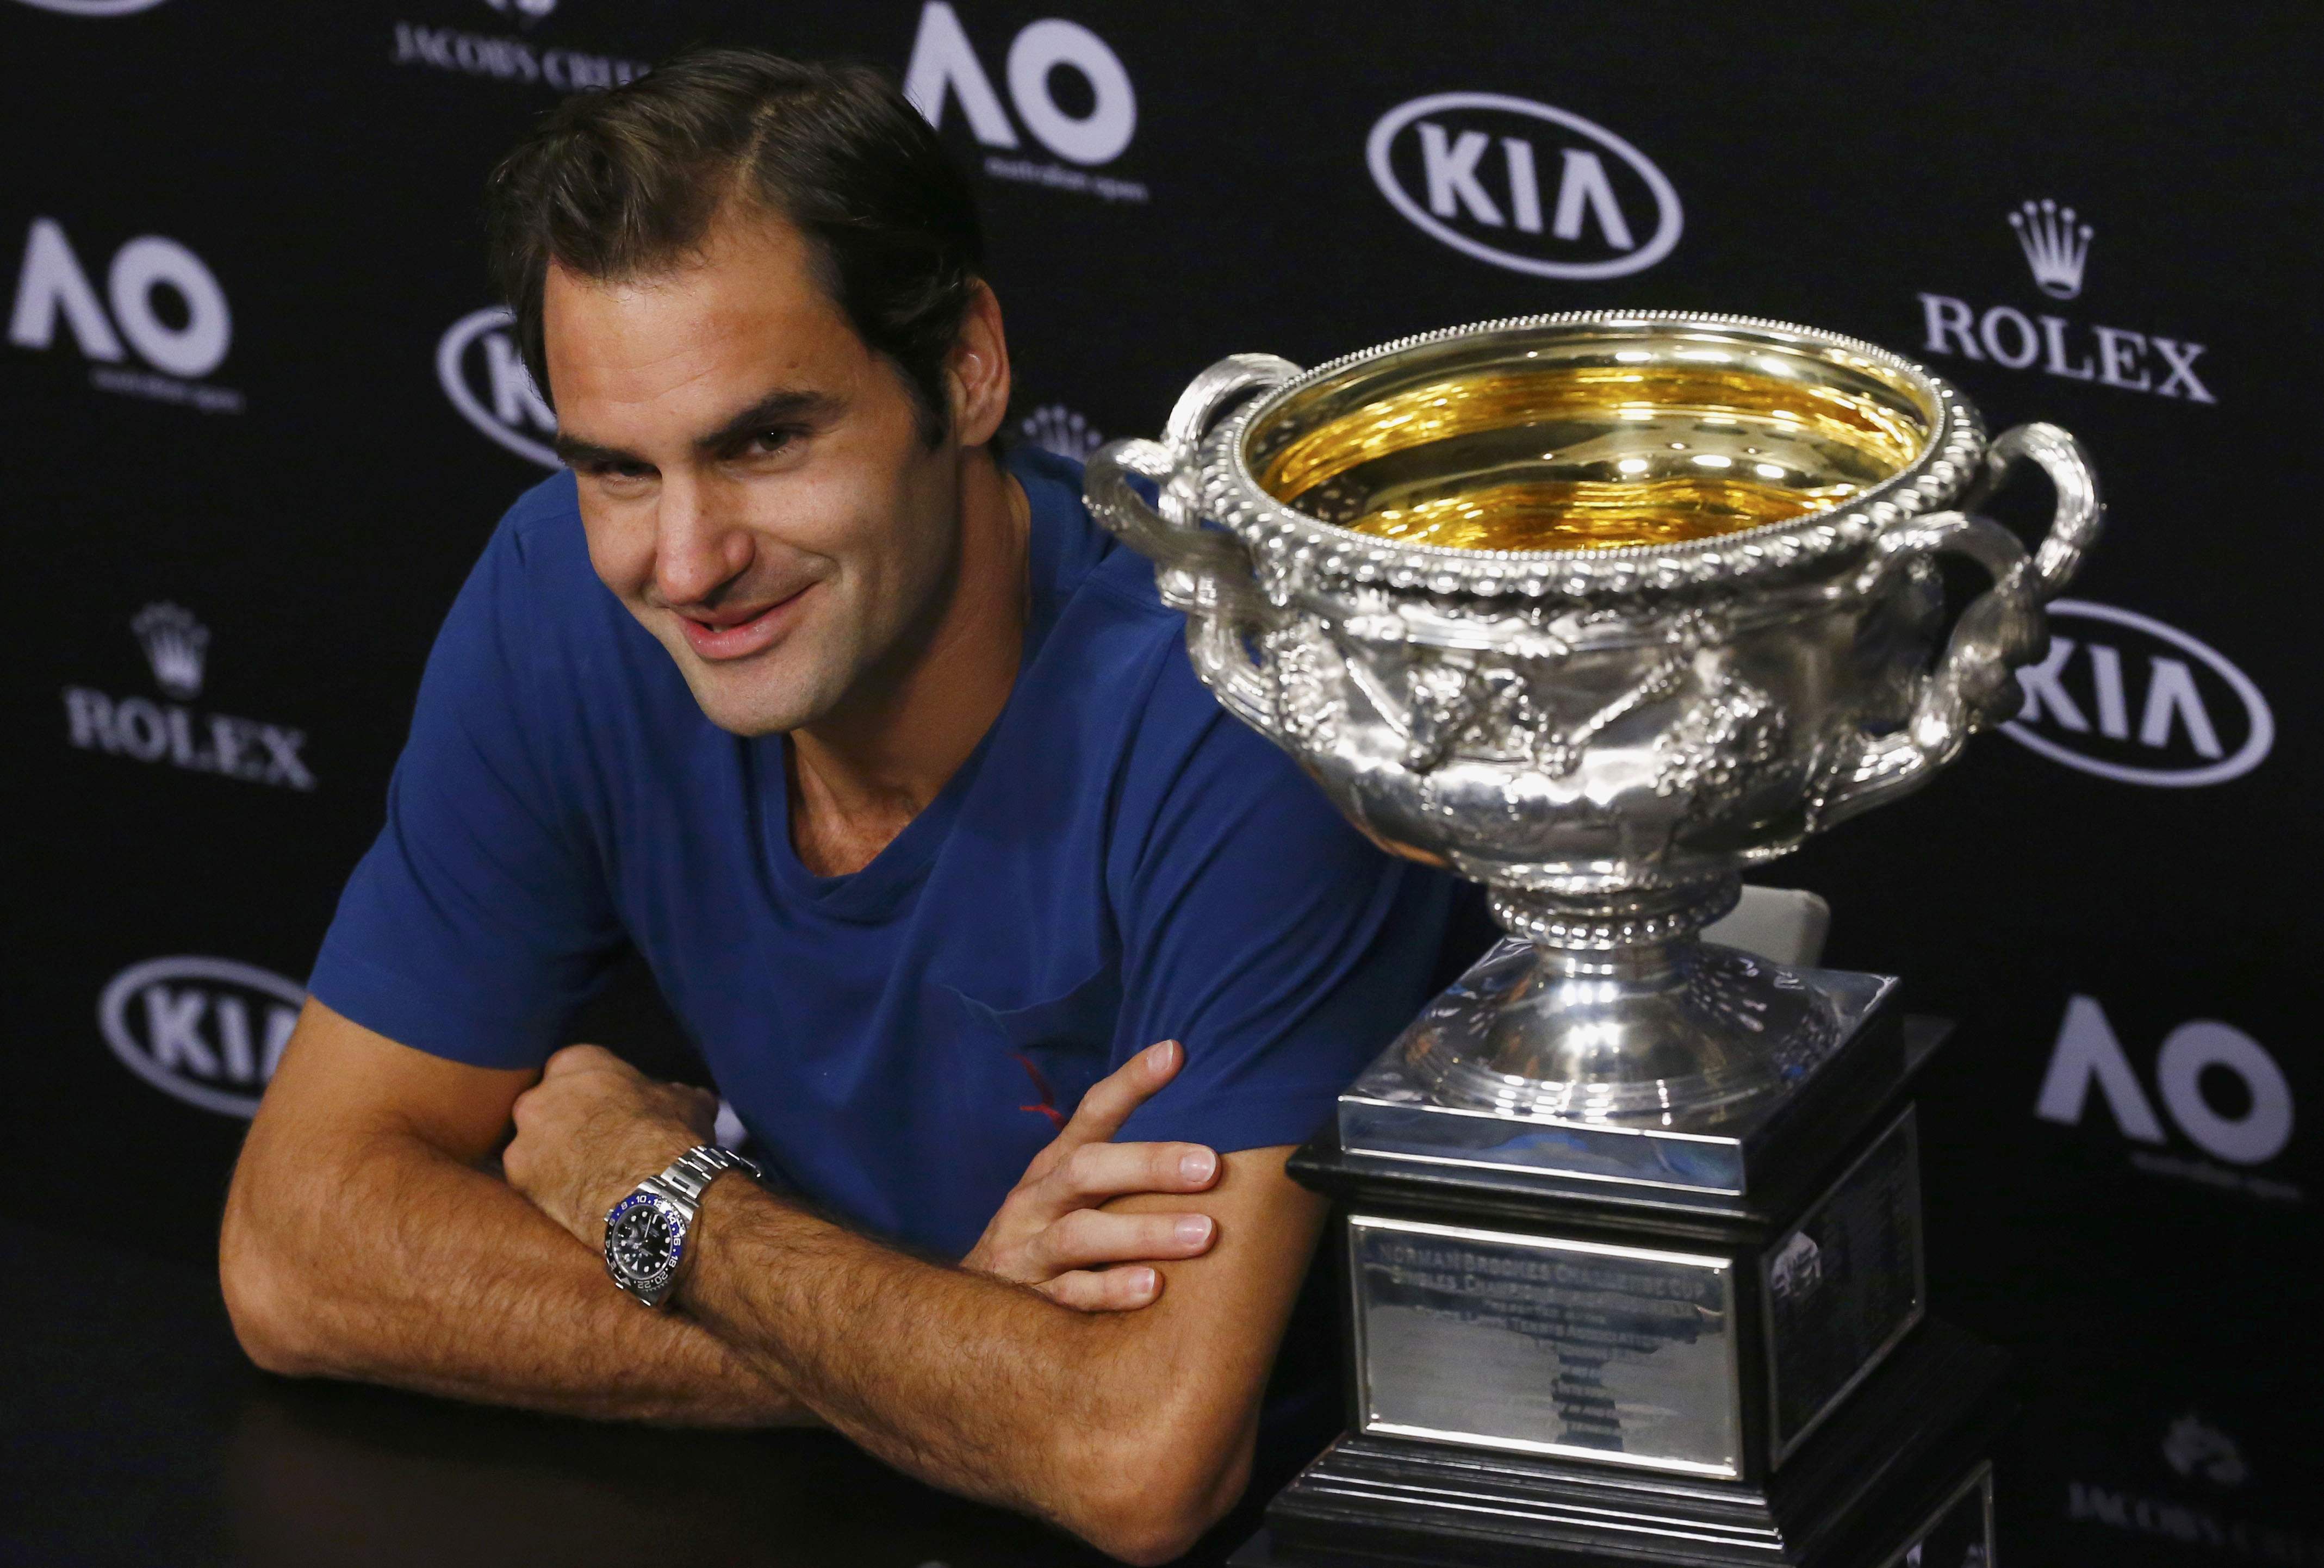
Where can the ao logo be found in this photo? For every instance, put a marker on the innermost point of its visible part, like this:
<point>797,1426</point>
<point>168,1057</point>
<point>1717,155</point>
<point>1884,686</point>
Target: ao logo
<point>485,377</point>
<point>2089,1054</point>
<point>1524,186</point>
<point>208,1030</point>
<point>2133,699</point>
<point>944,62</point>
<point>52,284</point>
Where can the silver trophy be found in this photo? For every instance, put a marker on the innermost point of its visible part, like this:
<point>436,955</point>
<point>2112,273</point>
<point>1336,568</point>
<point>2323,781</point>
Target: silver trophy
<point>1599,610</point>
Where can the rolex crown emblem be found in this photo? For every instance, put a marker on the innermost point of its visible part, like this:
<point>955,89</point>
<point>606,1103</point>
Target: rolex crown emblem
<point>175,644</point>
<point>2055,244</point>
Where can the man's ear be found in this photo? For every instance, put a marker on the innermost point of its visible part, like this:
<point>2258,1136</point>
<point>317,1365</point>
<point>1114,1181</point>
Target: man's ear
<point>976,372</point>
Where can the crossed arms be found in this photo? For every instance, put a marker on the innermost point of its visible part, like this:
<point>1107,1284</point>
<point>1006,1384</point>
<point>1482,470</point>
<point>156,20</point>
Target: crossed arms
<point>367,1235</point>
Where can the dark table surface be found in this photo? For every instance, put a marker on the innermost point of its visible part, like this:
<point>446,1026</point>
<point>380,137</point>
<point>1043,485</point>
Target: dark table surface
<point>133,1431</point>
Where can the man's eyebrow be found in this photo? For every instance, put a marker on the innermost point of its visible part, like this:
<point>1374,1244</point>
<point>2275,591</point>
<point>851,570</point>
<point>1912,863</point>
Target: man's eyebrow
<point>575,451</point>
<point>786,405</point>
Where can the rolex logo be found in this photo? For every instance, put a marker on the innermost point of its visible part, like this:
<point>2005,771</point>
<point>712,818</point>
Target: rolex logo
<point>174,643</point>
<point>2055,244</point>
<point>171,732</point>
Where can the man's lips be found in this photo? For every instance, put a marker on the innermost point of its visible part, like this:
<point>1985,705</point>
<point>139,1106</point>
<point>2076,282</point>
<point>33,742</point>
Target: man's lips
<point>739,639</point>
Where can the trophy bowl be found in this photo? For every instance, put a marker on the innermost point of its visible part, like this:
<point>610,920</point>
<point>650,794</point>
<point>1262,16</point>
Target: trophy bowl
<point>1598,609</point>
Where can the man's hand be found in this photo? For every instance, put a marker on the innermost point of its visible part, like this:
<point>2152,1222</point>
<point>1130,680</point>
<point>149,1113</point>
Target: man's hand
<point>593,1126</point>
<point>592,1129</point>
<point>1050,1233</point>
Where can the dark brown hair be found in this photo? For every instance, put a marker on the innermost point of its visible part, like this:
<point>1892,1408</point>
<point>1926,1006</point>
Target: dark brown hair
<point>622,183</point>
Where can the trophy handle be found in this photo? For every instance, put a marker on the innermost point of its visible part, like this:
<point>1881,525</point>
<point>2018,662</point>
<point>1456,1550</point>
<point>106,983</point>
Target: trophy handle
<point>2080,514</point>
<point>1975,683</point>
<point>1203,571</point>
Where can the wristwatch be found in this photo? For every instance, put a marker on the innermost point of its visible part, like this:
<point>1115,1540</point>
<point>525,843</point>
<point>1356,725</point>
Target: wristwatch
<point>646,1232</point>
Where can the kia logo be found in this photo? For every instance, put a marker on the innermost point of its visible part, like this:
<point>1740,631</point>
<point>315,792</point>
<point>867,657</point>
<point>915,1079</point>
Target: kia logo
<point>205,1031</point>
<point>1524,186</point>
<point>2127,698</point>
<point>485,377</point>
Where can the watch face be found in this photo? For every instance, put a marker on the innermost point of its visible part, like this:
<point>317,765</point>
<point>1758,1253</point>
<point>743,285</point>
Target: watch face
<point>644,1238</point>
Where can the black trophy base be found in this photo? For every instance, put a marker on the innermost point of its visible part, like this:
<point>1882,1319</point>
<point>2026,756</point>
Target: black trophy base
<point>1906,1451</point>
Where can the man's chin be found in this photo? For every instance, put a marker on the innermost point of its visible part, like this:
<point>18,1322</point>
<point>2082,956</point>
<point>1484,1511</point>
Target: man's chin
<point>744,707</point>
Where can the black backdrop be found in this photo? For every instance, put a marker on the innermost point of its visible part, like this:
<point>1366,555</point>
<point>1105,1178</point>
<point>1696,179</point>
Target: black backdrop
<point>253,428</point>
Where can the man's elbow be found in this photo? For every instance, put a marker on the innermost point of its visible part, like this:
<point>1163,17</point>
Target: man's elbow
<point>262,1296</point>
<point>1155,1504</point>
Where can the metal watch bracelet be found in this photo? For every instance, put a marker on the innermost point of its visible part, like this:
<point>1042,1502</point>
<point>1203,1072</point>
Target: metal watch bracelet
<point>689,1176</point>
<point>649,1234</point>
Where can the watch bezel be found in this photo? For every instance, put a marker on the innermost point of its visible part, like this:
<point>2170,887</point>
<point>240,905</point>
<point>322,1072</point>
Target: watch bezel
<point>651,1288</point>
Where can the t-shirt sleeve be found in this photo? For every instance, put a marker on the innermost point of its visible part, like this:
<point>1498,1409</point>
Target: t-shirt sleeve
<point>479,919</point>
<point>1279,945</point>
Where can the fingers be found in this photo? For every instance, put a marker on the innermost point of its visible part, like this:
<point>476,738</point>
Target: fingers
<point>1104,1290</point>
<point>1089,1237</point>
<point>1112,1099</point>
<point>1097,1171</point>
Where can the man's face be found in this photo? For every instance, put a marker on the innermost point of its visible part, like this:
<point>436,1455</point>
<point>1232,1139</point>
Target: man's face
<point>752,477</point>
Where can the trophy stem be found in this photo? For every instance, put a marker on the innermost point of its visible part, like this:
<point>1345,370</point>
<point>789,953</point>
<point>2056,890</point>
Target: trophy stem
<point>1616,1012</point>
<point>1625,921</point>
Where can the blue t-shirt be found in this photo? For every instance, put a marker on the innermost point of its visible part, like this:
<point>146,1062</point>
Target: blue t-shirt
<point>1119,861</point>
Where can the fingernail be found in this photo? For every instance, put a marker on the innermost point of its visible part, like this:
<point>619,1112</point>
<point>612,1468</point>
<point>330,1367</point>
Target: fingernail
<point>1193,1228</point>
<point>1157,1056</point>
<point>1198,1163</point>
<point>1141,1281</point>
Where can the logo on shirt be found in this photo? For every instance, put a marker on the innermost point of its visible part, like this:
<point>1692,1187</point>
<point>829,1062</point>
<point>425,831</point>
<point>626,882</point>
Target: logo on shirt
<point>1070,95</point>
<point>167,732</point>
<point>2056,244</point>
<point>481,371</point>
<point>161,323</point>
<point>2127,698</point>
<point>207,1031</point>
<point>1524,186</point>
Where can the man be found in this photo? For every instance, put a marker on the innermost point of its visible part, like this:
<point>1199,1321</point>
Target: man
<point>1022,966</point>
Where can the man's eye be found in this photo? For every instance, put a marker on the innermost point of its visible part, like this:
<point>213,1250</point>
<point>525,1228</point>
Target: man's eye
<point>619,471</point>
<point>773,441</point>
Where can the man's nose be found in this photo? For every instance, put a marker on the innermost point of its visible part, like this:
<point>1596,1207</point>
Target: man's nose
<point>700,543</point>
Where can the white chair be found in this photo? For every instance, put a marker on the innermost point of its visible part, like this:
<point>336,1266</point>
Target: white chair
<point>1785,925</point>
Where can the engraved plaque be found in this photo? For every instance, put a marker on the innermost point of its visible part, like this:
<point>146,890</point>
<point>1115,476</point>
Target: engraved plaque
<point>1547,1346</point>
<point>1843,1286</point>
<point>1959,1534</point>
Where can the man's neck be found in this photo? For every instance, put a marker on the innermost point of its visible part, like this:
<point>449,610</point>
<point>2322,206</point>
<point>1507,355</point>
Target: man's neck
<point>858,776</point>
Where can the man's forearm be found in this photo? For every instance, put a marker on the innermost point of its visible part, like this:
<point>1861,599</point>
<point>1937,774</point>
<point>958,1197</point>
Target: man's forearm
<point>978,1386</point>
<point>392,1262</point>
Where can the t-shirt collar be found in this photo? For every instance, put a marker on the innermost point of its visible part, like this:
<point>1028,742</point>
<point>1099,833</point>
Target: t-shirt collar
<point>1063,544</point>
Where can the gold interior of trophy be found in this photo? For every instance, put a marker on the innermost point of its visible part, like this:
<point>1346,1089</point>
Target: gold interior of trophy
<point>1597,438</point>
